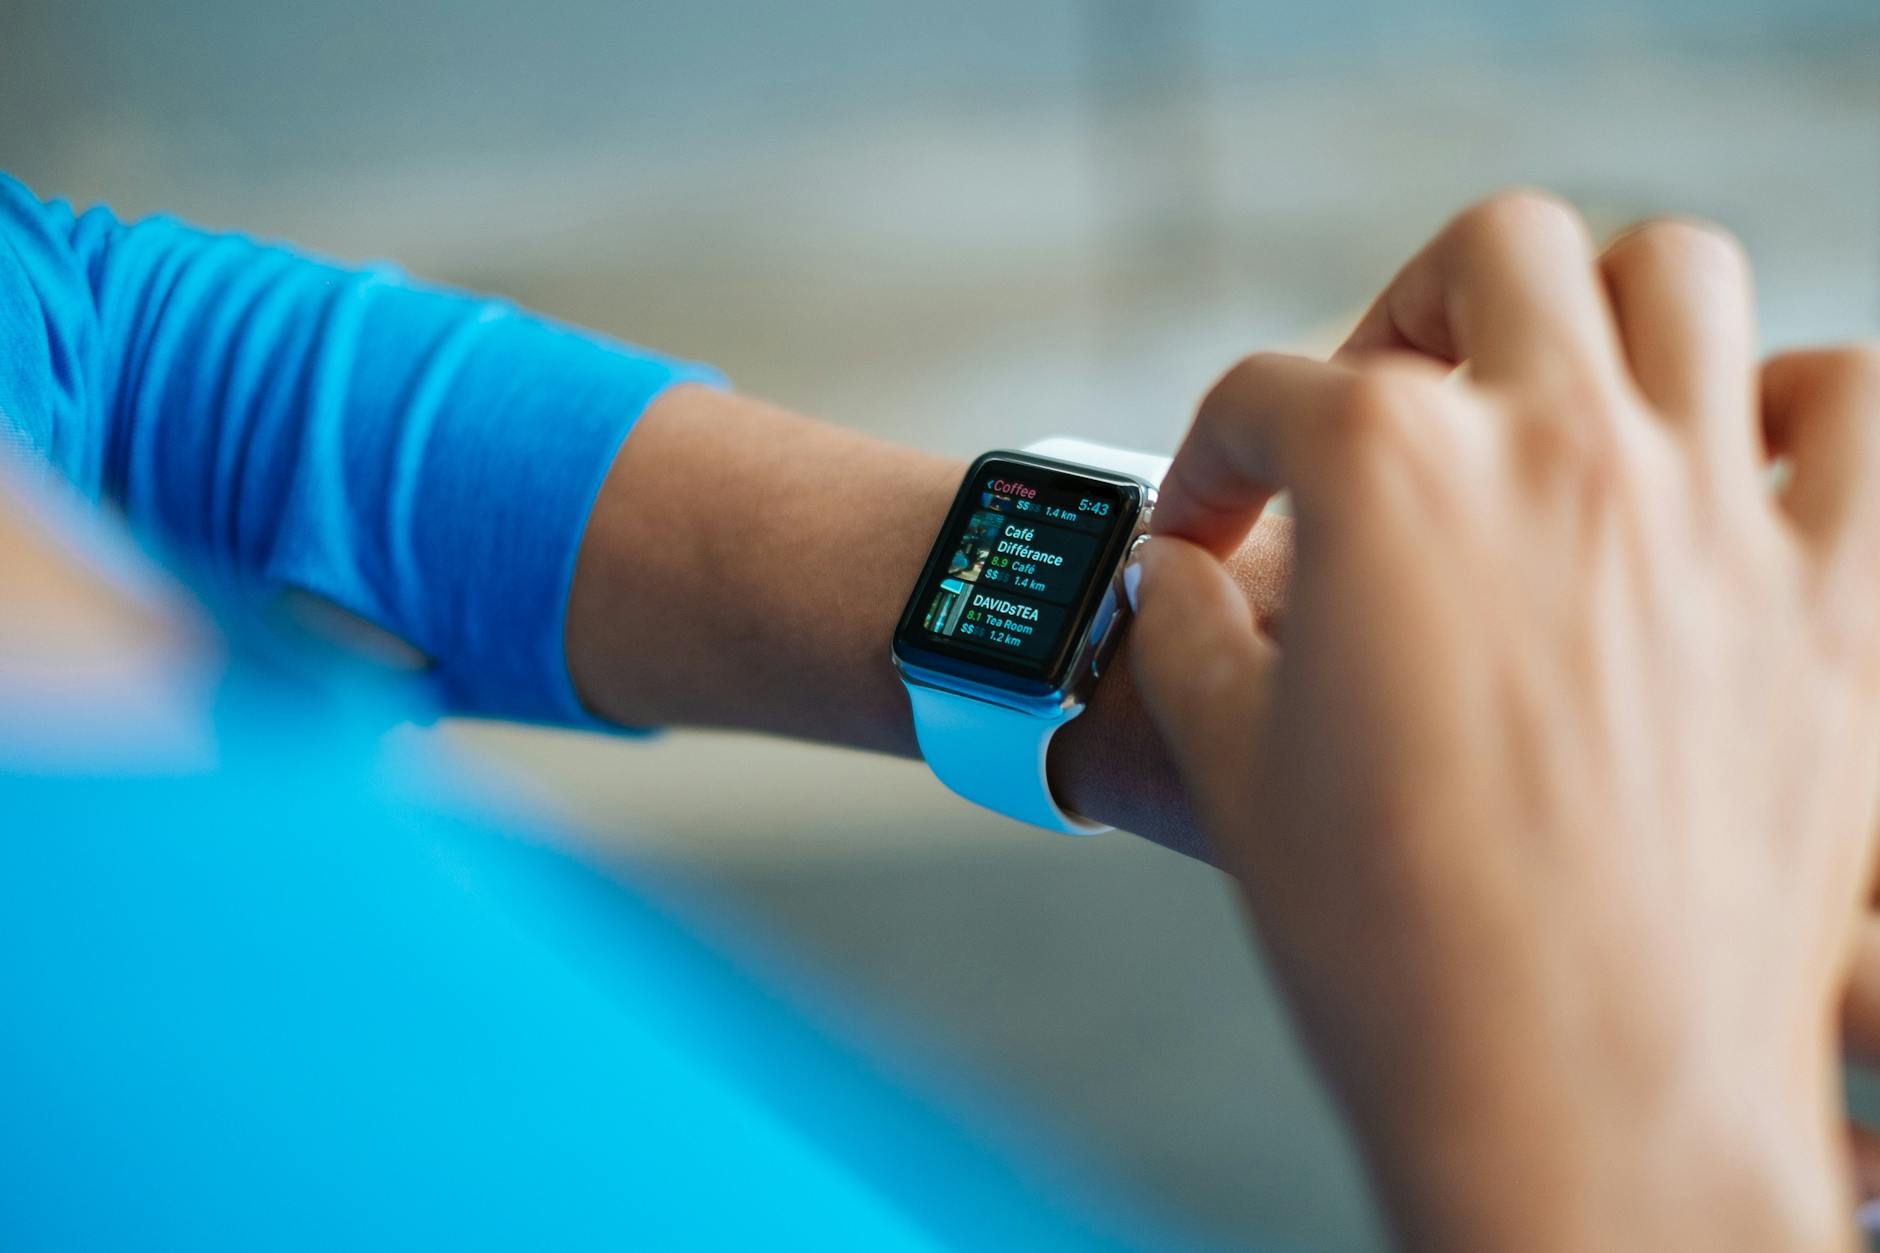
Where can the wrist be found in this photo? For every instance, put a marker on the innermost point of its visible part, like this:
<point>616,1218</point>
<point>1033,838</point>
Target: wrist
<point>744,567</point>
<point>1111,765</point>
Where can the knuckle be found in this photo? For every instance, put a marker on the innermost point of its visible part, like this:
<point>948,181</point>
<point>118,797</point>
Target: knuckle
<point>1388,429</point>
<point>1845,615</point>
<point>1684,243</point>
<point>1246,377</point>
<point>1374,418</point>
<point>1516,217</point>
<point>1581,398</point>
<point>1856,369</point>
<point>1559,448</point>
<point>1257,365</point>
<point>1813,376</point>
<point>1577,450</point>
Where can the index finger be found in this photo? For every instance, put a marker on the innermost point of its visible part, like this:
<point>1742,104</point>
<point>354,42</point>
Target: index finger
<point>1247,444</point>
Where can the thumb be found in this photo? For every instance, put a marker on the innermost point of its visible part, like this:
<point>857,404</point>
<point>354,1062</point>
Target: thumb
<point>1201,667</point>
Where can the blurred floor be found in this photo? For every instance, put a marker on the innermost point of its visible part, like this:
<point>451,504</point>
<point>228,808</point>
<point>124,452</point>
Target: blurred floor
<point>959,269</point>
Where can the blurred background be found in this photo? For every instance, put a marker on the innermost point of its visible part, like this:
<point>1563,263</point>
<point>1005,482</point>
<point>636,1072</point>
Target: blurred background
<point>964,226</point>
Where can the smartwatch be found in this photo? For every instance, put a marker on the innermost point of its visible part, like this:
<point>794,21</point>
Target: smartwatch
<point>1018,609</point>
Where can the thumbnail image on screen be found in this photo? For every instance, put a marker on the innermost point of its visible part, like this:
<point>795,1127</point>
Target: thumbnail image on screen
<point>943,612</point>
<point>969,559</point>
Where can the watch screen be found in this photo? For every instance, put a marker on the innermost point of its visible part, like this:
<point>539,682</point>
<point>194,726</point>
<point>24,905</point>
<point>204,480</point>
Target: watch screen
<point>1020,566</point>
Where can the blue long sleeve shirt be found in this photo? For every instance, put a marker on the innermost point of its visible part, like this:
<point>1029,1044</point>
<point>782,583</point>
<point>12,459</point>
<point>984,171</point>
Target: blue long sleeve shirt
<point>422,458</point>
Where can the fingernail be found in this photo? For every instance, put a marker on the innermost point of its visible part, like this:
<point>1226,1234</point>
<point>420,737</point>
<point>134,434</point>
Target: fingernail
<point>1867,1217</point>
<point>1132,577</point>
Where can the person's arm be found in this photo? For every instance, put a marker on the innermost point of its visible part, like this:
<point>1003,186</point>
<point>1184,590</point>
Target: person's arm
<point>434,462</point>
<point>744,567</point>
<point>424,459</point>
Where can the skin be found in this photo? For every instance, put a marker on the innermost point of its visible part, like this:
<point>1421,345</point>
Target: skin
<point>713,589</point>
<point>1570,986</point>
<point>1555,805</point>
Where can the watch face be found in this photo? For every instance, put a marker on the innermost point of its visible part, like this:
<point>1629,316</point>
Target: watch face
<point>1021,565</point>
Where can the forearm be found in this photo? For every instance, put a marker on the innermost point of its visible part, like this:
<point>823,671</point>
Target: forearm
<point>744,567</point>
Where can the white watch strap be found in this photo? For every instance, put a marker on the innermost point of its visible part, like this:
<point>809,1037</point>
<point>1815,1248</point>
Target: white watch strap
<point>1144,465</point>
<point>995,756</point>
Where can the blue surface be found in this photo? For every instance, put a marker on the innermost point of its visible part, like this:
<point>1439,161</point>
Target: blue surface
<point>308,1000</point>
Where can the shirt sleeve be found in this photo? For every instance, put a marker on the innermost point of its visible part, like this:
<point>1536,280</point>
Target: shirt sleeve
<point>420,457</point>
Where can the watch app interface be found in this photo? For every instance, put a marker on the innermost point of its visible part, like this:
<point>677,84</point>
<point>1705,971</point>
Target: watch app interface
<point>1015,566</point>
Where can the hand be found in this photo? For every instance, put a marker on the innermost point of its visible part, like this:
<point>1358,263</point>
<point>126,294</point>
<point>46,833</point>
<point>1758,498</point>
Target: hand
<point>1554,809</point>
